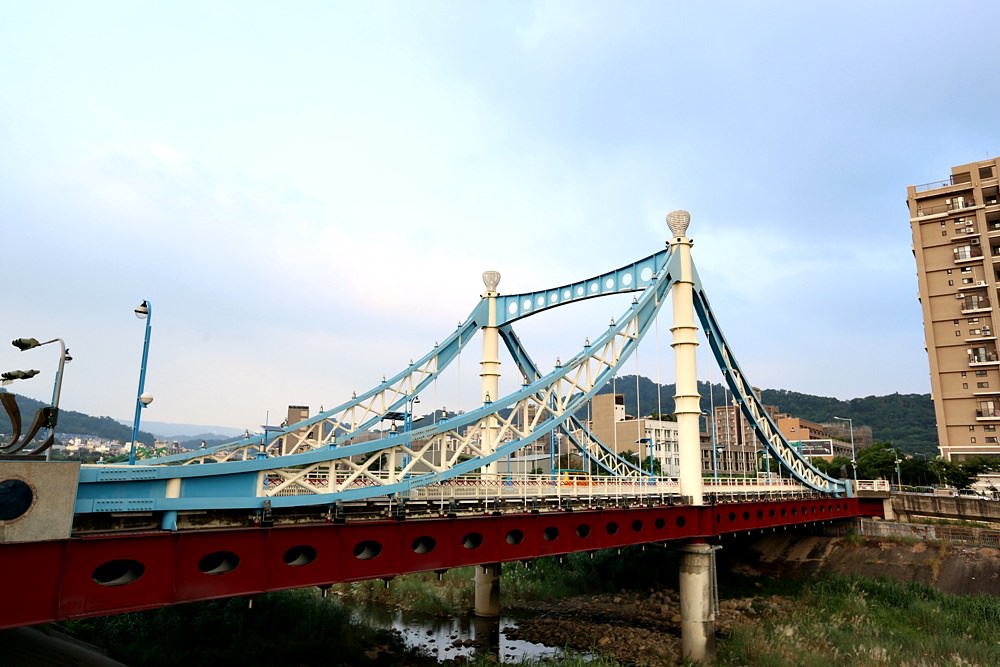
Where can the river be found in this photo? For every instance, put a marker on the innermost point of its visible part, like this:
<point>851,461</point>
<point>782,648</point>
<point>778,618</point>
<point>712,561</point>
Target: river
<point>444,638</point>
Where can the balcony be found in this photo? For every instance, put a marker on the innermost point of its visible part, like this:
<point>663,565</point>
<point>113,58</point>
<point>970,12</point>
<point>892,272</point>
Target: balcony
<point>967,254</point>
<point>955,204</point>
<point>989,414</point>
<point>963,179</point>
<point>983,359</point>
<point>973,305</point>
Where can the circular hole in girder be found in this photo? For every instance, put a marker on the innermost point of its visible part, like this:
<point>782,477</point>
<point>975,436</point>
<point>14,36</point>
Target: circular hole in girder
<point>784,511</point>
<point>515,536</point>
<point>746,516</point>
<point>660,523</point>
<point>367,550</point>
<point>550,533</point>
<point>583,530</point>
<point>219,562</point>
<point>680,521</point>
<point>16,498</point>
<point>299,555</point>
<point>771,513</point>
<point>424,544</point>
<point>760,514</point>
<point>472,541</point>
<point>636,525</point>
<point>611,528</point>
<point>118,572</point>
<point>732,517</point>
<point>795,511</point>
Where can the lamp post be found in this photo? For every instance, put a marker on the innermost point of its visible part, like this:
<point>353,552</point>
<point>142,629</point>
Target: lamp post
<point>144,312</point>
<point>899,476</point>
<point>854,459</point>
<point>64,357</point>
<point>767,463</point>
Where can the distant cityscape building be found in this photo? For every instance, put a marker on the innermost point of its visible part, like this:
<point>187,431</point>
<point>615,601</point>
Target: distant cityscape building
<point>643,436</point>
<point>956,243</point>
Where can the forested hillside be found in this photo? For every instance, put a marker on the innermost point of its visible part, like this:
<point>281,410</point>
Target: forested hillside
<point>905,420</point>
<point>75,423</point>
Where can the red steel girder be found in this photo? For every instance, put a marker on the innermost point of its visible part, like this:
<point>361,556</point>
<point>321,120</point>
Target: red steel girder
<point>114,573</point>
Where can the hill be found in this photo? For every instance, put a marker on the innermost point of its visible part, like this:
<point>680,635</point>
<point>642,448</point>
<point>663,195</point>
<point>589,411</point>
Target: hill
<point>904,420</point>
<point>78,423</point>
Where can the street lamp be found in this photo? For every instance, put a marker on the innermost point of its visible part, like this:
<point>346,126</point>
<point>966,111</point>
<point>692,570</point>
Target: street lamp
<point>854,460</point>
<point>648,441</point>
<point>899,476</point>
<point>64,357</point>
<point>767,463</point>
<point>144,312</point>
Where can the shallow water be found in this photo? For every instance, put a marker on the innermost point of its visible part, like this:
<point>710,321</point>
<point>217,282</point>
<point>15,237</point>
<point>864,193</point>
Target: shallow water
<point>444,638</point>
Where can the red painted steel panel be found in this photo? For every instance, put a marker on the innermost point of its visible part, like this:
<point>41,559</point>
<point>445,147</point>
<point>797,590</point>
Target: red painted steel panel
<point>63,579</point>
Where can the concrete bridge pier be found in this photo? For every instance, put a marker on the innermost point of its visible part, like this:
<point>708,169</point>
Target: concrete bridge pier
<point>488,590</point>
<point>697,588</point>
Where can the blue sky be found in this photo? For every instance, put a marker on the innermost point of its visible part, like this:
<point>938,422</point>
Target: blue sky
<point>309,192</point>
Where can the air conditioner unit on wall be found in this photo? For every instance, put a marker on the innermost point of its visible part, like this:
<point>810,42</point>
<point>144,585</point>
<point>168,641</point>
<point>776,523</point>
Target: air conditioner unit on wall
<point>980,283</point>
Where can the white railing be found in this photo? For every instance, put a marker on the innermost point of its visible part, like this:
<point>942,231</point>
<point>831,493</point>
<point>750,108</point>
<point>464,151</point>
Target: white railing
<point>873,485</point>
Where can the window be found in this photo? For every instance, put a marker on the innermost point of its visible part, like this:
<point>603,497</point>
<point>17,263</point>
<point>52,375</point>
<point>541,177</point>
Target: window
<point>972,440</point>
<point>955,322</point>
<point>964,373</point>
<point>965,252</point>
<point>987,409</point>
<point>966,269</point>
<point>991,439</point>
<point>979,374</point>
<point>949,272</point>
<point>944,232</point>
<point>966,281</point>
<point>973,320</point>
<point>950,283</point>
<point>965,385</point>
<point>972,428</point>
<point>990,428</point>
<point>986,172</point>
<point>982,385</point>
<point>958,332</point>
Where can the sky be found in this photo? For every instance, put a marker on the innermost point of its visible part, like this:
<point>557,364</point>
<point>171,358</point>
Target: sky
<point>308,193</point>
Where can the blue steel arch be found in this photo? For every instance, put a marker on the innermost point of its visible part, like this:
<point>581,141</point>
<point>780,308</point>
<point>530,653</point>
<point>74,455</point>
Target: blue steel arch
<point>236,484</point>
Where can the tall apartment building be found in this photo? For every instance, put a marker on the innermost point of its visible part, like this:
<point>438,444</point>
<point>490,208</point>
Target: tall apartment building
<point>956,243</point>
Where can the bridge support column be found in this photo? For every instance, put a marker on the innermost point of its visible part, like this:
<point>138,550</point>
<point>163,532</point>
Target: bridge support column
<point>491,366</point>
<point>687,400</point>
<point>488,590</point>
<point>697,603</point>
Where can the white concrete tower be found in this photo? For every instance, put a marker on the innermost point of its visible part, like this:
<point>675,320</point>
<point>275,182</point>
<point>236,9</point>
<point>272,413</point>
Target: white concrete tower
<point>696,566</point>
<point>687,401</point>
<point>490,365</point>
<point>487,577</point>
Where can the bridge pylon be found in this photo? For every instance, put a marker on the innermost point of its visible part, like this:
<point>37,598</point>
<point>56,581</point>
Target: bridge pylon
<point>697,559</point>
<point>487,578</point>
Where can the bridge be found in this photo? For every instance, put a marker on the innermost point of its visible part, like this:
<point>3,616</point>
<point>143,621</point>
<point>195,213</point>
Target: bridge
<point>321,501</point>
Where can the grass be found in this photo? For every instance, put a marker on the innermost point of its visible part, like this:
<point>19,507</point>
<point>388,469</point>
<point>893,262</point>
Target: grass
<point>424,593</point>
<point>846,620</point>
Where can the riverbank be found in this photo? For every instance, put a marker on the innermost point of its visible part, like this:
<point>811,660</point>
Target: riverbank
<point>793,600</point>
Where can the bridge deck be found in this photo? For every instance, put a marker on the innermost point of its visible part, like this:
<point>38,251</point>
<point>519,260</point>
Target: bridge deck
<point>106,574</point>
